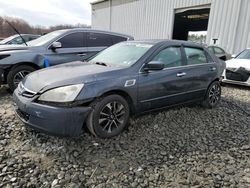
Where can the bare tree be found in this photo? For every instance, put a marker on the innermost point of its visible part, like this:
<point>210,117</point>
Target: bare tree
<point>23,27</point>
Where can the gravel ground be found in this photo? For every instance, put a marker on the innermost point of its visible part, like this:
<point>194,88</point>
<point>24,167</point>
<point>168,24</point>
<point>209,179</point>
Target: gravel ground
<point>181,147</point>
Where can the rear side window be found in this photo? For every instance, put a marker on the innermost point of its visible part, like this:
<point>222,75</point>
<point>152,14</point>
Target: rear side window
<point>98,39</point>
<point>218,50</point>
<point>74,40</point>
<point>171,57</point>
<point>117,39</point>
<point>210,49</point>
<point>17,40</point>
<point>195,56</point>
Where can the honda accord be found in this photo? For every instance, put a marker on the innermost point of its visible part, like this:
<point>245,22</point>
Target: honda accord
<point>126,79</point>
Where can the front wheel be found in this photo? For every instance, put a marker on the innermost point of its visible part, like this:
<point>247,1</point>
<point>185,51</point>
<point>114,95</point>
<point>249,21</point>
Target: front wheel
<point>109,116</point>
<point>213,95</point>
<point>17,74</point>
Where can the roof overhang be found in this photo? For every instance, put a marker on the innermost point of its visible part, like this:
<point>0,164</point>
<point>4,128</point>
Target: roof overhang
<point>97,1</point>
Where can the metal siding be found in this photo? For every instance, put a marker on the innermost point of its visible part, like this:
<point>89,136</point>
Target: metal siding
<point>229,19</point>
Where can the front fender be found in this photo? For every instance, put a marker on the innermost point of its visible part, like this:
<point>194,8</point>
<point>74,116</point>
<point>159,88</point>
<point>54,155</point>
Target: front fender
<point>95,90</point>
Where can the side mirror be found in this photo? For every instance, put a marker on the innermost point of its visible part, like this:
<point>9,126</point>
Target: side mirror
<point>233,56</point>
<point>154,66</point>
<point>224,58</point>
<point>56,45</point>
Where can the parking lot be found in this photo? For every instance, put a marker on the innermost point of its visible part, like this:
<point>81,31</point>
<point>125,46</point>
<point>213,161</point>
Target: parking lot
<point>187,146</point>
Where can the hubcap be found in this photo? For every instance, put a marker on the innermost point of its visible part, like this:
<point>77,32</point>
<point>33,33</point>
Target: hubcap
<point>20,76</point>
<point>112,116</point>
<point>214,94</point>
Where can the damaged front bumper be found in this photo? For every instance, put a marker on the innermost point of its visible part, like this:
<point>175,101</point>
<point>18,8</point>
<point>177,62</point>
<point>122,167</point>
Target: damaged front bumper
<point>63,121</point>
<point>239,76</point>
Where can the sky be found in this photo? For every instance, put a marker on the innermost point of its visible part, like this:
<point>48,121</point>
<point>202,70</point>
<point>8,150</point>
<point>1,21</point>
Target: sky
<point>48,12</point>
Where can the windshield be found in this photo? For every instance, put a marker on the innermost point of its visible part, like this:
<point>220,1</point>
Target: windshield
<point>45,38</point>
<point>122,54</point>
<point>244,55</point>
<point>8,39</point>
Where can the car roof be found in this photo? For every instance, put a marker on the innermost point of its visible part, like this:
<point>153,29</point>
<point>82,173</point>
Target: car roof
<point>162,41</point>
<point>96,30</point>
<point>16,35</point>
<point>30,35</point>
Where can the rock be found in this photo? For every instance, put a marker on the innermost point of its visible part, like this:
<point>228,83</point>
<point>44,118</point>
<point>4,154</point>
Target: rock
<point>54,183</point>
<point>73,185</point>
<point>13,179</point>
<point>87,172</point>
<point>164,153</point>
<point>60,175</point>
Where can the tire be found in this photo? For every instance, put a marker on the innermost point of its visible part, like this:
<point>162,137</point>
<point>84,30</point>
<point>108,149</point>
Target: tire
<point>109,117</point>
<point>18,72</point>
<point>213,95</point>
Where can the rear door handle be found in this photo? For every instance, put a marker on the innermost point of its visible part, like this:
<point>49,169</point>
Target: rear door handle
<point>212,68</point>
<point>181,74</point>
<point>82,54</point>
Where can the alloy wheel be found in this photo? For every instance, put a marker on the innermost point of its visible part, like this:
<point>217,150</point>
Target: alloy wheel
<point>112,116</point>
<point>20,76</point>
<point>214,94</point>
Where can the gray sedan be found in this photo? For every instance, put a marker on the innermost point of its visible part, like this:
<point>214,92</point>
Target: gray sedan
<point>125,79</point>
<point>55,48</point>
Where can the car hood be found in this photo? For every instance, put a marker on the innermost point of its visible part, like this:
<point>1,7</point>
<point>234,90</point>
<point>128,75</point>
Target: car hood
<point>237,63</point>
<point>66,74</point>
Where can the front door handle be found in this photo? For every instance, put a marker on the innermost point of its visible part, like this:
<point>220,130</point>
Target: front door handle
<point>212,68</point>
<point>180,74</point>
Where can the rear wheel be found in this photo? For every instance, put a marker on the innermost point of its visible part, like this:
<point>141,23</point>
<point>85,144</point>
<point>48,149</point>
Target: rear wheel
<point>109,116</point>
<point>213,95</point>
<point>17,74</point>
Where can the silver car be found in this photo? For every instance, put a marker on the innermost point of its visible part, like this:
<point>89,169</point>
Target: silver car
<point>55,48</point>
<point>16,39</point>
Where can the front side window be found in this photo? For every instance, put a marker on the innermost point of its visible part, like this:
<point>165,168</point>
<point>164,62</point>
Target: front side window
<point>171,57</point>
<point>195,56</point>
<point>74,40</point>
<point>50,37</point>
<point>122,54</point>
<point>98,40</point>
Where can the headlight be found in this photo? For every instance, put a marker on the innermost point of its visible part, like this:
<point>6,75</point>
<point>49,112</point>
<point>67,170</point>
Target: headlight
<point>62,94</point>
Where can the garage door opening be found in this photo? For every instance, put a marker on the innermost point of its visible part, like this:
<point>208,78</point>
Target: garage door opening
<point>194,20</point>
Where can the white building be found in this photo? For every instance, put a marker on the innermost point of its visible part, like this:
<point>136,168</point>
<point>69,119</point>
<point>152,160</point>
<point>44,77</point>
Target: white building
<point>227,21</point>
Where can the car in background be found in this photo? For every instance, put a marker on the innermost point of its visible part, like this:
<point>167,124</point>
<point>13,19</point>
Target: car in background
<point>16,39</point>
<point>219,52</point>
<point>238,69</point>
<point>128,78</point>
<point>54,48</point>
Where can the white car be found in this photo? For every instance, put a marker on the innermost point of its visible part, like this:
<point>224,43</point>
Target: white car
<point>238,69</point>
